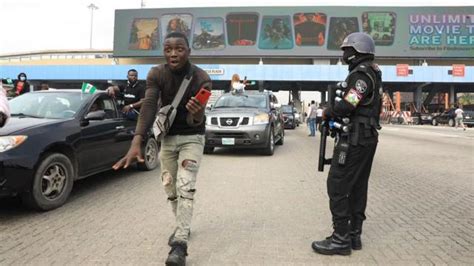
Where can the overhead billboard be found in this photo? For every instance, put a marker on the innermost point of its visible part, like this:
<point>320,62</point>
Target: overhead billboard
<point>421,32</point>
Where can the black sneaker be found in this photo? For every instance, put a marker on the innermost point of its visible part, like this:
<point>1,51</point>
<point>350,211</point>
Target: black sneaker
<point>177,255</point>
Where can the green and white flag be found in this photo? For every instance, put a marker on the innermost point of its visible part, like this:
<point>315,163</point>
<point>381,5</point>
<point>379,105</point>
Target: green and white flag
<point>88,88</point>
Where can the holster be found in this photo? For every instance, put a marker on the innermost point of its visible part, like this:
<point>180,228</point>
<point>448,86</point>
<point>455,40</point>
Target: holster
<point>342,148</point>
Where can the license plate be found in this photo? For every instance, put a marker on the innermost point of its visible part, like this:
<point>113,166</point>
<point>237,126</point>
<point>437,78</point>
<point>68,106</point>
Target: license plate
<point>228,141</point>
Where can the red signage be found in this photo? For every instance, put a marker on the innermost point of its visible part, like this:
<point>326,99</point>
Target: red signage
<point>458,70</point>
<point>402,70</point>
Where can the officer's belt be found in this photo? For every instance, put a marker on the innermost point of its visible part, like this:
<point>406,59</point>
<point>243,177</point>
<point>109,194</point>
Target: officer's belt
<point>369,130</point>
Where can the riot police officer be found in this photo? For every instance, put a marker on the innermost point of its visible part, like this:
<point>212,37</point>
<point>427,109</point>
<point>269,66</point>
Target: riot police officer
<point>358,108</point>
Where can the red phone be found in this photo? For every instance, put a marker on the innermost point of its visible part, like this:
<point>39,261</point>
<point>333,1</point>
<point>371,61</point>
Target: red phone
<point>203,95</point>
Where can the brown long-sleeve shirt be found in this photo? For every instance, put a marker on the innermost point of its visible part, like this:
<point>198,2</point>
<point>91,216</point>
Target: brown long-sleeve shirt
<point>164,83</point>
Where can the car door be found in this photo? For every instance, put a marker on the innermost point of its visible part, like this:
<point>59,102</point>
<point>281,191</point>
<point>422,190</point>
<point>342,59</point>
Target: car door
<point>102,142</point>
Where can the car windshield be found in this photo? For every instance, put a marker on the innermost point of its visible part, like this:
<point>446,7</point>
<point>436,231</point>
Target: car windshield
<point>252,101</point>
<point>286,109</point>
<point>48,105</point>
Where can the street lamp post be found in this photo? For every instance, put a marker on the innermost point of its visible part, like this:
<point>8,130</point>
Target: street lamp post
<point>92,7</point>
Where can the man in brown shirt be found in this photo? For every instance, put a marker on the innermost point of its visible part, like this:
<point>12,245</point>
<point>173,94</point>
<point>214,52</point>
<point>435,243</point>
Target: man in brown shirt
<point>182,148</point>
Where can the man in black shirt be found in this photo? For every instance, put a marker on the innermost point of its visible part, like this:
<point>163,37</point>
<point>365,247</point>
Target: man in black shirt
<point>130,94</point>
<point>182,148</point>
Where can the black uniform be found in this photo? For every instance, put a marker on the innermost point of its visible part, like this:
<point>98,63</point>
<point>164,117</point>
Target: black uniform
<point>131,94</point>
<point>348,178</point>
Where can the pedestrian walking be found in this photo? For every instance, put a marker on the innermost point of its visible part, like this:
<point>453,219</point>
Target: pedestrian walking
<point>182,148</point>
<point>354,151</point>
<point>459,117</point>
<point>319,116</point>
<point>312,115</point>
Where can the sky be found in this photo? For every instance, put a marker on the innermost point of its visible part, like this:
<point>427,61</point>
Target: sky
<point>35,25</point>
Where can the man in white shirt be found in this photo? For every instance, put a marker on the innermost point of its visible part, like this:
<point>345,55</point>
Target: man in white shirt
<point>319,116</point>
<point>459,117</point>
<point>312,115</point>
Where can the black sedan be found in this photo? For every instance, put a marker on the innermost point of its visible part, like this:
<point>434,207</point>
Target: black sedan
<point>469,118</point>
<point>422,118</point>
<point>56,137</point>
<point>447,117</point>
<point>289,116</point>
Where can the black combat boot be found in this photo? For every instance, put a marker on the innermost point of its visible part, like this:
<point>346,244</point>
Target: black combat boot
<point>333,245</point>
<point>356,243</point>
<point>339,243</point>
<point>356,231</point>
<point>177,255</point>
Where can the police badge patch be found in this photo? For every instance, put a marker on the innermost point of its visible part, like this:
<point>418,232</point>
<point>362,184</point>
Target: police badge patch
<point>353,97</point>
<point>361,86</point>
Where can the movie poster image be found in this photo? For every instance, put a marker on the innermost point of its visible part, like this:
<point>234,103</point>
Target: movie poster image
<point>242,29</point>
<point>310,29</point>
<point>380,25</point>
<point>209,34</point>
<point>176,23</point>
<point>339,28</point>
<point>144,34</point>
<point>275,33</point>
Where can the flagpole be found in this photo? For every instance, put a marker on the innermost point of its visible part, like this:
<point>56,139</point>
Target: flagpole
<point>92,7</point>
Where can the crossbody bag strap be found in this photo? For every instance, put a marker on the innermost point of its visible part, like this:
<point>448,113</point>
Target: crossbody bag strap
<point>182,88</point>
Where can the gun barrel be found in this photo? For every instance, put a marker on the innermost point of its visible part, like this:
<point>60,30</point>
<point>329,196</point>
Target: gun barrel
<point>322,147</point>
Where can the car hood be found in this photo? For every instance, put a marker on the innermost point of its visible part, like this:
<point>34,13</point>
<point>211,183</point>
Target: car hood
<point>235,112</point>
<point>15,124</point>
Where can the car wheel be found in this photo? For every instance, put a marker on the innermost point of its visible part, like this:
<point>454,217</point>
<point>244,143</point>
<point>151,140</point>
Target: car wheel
<point>434,122</point>
<point>208,150</point>
<point>150,155</point>
<point>270,148</point>
<point>52,183</point>
<point>451,122</point>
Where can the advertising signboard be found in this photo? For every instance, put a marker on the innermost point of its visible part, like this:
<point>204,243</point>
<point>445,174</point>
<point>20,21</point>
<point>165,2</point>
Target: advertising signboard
<point>408,32</point>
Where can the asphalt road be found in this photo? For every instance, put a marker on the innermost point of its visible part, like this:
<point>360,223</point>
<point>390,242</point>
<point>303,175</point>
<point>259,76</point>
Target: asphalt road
<point>264,210</point>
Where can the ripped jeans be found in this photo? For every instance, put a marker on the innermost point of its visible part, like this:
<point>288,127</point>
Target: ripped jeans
<point>180,158</point>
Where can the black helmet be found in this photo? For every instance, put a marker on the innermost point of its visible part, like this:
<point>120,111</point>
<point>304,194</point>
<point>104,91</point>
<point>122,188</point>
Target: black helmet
<point>361,42</point>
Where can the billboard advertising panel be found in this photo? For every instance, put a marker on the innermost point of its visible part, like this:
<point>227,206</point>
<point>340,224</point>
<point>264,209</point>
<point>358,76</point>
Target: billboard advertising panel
<point>426,32</point>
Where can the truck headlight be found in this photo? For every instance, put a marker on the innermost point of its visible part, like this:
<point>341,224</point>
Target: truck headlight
<point>10,142</point>
<point>261,119</point>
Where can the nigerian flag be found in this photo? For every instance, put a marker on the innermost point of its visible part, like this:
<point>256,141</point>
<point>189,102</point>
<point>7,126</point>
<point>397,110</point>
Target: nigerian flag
<point>88,88</point>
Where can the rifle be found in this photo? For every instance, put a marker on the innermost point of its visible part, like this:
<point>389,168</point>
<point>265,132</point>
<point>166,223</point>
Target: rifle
<point>330,126</point>
<point>322,147</point>
<point>325,132</point>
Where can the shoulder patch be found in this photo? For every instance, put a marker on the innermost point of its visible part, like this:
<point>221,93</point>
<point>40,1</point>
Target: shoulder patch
<point>361,86</point>
<point>353,97</point>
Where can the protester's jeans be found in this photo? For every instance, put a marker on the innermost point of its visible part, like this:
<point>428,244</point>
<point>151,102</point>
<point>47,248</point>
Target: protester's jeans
<point>180,158</point>
<point>312,126</point>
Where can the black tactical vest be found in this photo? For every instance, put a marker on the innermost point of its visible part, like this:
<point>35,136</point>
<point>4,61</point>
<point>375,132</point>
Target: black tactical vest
<point>368,111</point>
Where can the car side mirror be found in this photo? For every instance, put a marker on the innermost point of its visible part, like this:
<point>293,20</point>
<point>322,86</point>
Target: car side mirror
<point>95,115</point>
